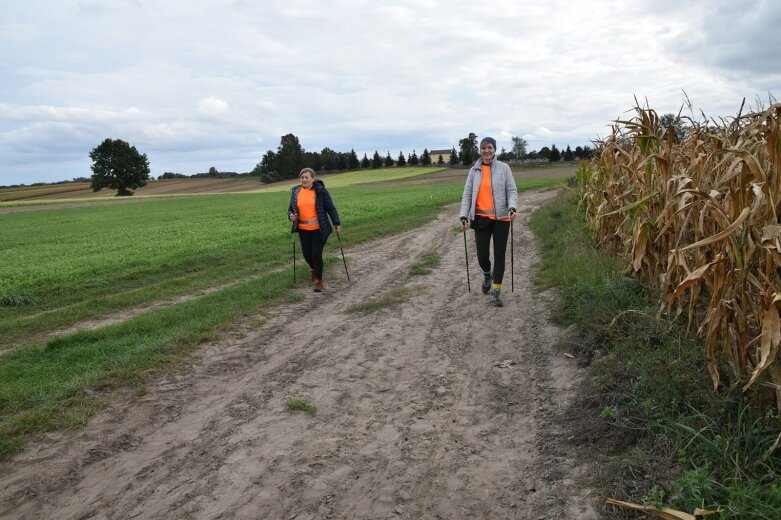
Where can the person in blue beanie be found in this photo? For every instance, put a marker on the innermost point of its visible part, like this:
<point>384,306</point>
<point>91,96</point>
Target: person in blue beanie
<point>488,205</point>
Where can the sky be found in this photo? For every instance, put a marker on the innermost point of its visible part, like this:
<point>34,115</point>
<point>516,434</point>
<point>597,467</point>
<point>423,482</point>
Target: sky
<point>218,82</point>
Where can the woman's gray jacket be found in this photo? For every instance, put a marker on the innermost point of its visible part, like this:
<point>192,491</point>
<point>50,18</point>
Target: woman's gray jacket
<point>502,186</point>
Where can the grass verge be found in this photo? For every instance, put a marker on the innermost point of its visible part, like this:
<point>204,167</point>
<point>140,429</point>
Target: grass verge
<point>299,405</point>
<point>392,298</point>
<point>48,386</point>
<point>425,264</point>
<point>648,409</point>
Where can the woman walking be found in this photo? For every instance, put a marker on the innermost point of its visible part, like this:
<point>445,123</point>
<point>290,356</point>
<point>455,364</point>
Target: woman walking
<point>309,210</point>
<point>488,205</point>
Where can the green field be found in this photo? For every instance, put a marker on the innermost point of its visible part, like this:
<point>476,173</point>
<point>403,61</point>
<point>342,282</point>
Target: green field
<point>68,265</point>
<point>84,262</point>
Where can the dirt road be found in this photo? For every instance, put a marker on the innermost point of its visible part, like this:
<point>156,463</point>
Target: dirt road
<point>440,407</point>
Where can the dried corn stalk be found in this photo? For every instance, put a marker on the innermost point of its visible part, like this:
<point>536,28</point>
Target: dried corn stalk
<point>700,220</point>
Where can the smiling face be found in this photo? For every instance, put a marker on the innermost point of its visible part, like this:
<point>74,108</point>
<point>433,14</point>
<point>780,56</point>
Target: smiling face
<point>487,151</point>
<point>306,179</point>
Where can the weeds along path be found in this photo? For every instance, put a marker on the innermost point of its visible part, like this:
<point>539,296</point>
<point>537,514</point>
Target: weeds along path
<point>438,407</point>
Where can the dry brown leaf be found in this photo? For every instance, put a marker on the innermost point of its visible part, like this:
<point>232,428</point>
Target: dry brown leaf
<point>771,339</point>
<point>694,277</point>
<point>665,512</point>
<point>720,236</point>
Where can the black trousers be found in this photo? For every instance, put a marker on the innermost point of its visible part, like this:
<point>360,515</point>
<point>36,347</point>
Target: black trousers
<point>500,231</point>
<point>312,247</point>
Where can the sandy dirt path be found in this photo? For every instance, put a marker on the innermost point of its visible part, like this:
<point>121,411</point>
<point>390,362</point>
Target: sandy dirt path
<point>441,407</point>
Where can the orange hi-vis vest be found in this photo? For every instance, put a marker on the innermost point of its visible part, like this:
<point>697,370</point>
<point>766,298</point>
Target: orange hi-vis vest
<point>484,205</point>
<point>307,213</point>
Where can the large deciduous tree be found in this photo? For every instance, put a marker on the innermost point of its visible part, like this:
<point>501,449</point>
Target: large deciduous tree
<point>330,159</point>
<point>519,147</point>
<point>290,157</point>
<point>265,168</point>
<point>118,165</point>
<point>672,123</point>
<point>469,150</point>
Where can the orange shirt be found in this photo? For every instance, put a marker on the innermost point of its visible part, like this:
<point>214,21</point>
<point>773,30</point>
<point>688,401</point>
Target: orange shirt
<point>307,213</point>
<point>484,205</point>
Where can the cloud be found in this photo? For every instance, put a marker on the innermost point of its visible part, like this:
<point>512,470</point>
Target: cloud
<point>736,37</point>
<point>213,108</point>
<point>71,114</point>
<point>222,80</point>
<point>18,33</point>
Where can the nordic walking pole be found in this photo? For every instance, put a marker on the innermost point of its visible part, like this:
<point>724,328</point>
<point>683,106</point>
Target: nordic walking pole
<point>512,260</point>
<point>294,257</point>
<point>343,260</point>
<point>466,257</point>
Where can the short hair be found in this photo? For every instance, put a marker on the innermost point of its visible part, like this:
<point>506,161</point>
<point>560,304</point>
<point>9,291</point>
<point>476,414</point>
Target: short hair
<point>306,170</point>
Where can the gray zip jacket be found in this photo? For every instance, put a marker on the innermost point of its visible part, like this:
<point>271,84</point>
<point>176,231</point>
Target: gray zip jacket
<point>502,186</point>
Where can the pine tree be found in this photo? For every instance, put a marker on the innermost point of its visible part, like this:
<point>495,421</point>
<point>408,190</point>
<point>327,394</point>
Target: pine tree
<point>413,159</point>
<point>425,159</point>
<point>401,161</point>
<point>555,154</point>
<point>453,157</point>
<point>376,160</point>
<point>352,161</point>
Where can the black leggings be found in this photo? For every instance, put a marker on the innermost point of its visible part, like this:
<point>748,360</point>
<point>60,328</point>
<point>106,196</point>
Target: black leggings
<point>312,246</point>
<point>500,231</point>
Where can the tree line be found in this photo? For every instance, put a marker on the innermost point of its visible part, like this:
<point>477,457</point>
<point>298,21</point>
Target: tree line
<point>469,152</point>
<point>290,157</point>
<point>120,166</point>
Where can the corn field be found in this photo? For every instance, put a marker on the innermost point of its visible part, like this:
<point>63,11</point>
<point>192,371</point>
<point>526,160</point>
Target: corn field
<point>696,213</point>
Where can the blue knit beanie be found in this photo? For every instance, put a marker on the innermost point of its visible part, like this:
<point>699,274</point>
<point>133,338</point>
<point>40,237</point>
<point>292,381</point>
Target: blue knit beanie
<point>488,140</point>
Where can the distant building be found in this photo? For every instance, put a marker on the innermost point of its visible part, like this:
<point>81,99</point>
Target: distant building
<point>436,153</point>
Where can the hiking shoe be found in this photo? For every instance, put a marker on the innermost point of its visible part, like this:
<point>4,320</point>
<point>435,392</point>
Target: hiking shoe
<point>486,285</point>
<point>496,301</point>
<point>318,285</point>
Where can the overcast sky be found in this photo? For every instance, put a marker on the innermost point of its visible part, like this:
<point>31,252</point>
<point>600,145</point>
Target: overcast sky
<point>217,83</point>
